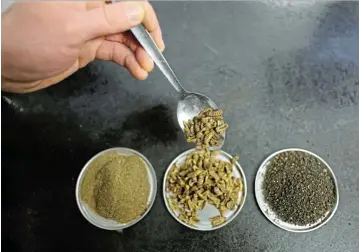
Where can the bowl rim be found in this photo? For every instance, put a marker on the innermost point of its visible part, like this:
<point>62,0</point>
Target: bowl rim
<point>152,196</point>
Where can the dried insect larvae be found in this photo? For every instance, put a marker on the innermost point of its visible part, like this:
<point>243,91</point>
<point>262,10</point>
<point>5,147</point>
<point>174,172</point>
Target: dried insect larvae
<point>206,129</point>
<point>217,220</point>
<point>202,179</point>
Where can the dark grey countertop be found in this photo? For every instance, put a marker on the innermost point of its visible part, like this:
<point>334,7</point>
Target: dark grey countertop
<point>287,75</point>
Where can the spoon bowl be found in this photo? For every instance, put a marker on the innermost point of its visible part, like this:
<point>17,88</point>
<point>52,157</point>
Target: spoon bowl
<point>189,106</point>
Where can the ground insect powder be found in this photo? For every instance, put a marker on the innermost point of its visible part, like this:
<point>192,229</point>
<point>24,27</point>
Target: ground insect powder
<point>298,187</point>
<point>116,186</point>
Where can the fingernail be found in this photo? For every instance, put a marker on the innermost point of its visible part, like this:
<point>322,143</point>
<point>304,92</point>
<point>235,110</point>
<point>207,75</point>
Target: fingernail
<point>144,75</point>
<point>161,45</point>
<point>150,66</point>
<point>134,12</point>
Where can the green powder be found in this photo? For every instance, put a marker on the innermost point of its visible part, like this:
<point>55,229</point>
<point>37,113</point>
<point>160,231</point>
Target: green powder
<point>116,186</point>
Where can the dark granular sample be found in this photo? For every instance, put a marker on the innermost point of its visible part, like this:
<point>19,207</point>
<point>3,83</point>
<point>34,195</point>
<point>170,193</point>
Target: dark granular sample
<point>298,187</point>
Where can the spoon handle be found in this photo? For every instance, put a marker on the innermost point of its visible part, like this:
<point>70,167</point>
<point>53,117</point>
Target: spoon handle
<point>151,48</point>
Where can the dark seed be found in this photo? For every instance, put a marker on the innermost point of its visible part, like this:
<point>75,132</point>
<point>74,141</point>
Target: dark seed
<point>298,187</point>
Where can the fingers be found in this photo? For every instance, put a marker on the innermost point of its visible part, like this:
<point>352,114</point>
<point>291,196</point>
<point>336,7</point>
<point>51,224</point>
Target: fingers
<point>110,19</point>
<point>123,56</point>
<point>144,59</point>
<point>151,23</point>
<point>126,38</point>
<point>141,55</point>
<point>117,17</point>
<point>129,39</point>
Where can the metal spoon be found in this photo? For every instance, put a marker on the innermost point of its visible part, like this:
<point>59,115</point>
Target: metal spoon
<point>189,104</point>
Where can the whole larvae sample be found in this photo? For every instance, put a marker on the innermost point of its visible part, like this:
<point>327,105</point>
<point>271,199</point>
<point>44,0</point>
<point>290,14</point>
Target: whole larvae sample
<point>206,129</point>
<point>203,179</point>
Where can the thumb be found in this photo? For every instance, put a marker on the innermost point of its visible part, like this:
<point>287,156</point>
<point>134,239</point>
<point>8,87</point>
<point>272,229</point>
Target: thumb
<point>111,19</point>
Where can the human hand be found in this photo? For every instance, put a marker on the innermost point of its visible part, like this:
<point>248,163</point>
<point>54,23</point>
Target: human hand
<point>45,42</point>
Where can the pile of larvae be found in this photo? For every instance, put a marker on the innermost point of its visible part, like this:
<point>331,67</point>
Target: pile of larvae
<point>206,129</point>
<point>203,179</point>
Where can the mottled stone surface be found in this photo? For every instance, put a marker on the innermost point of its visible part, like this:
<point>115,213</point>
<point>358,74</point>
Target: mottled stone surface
<point>287,75</point>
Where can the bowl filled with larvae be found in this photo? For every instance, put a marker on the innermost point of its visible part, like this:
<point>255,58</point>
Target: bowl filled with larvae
<point>204,189</point>
<point>206,130</point>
